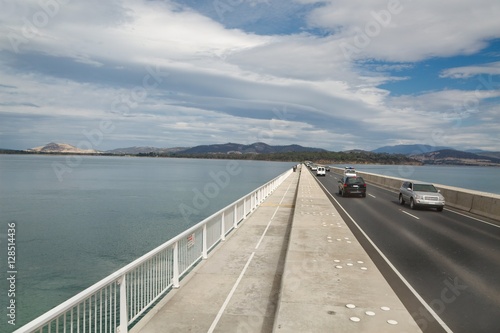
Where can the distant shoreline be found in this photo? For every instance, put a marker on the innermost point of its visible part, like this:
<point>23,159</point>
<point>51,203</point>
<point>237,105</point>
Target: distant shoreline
<point>340,157</point>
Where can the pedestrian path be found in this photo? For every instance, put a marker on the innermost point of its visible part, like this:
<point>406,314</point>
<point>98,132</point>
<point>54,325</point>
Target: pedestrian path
<point>236,288</point>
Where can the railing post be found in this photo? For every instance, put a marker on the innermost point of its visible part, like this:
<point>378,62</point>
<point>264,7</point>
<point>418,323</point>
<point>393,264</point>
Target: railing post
<point>235,216</point>
<point>204,251</point>
<point>175,278</point>
<point>123,328</point>
<point>223,227</point>
<point>244,208</point>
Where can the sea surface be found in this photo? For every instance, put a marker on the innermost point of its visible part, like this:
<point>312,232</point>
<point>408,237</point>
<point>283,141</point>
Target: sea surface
<point>80,218</point>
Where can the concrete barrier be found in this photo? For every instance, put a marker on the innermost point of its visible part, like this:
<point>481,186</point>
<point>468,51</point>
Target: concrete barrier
<point>480,203</point>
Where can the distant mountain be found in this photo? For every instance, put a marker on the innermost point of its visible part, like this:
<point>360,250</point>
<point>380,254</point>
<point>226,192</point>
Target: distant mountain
<point>475,151</point>
<point>254,148</point>
<point>227,148</point>
<point>456,157</point>
<point>358,151</point>
<point>144,150</point>
<point>61,148</point>
<point>408,149</point>
<point>494,154</point>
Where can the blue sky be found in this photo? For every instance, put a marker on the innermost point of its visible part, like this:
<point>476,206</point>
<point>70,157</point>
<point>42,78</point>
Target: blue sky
<point>333,74</point>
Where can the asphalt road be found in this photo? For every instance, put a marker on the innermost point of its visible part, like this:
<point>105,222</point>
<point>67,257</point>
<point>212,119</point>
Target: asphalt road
<point>444,266</point>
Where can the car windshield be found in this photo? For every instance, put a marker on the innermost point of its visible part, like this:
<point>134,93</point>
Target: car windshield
<point>355,180</point>
<point>424,188</point>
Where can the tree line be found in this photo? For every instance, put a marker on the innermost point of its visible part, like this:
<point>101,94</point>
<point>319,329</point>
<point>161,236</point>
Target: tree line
<point>326,157</point>
<point>322,157</point>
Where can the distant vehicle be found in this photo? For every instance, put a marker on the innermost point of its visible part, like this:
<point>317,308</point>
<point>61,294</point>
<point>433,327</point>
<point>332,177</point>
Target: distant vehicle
<point>349,171</point>
<point>327,168</point>
<point>320,171</point>
<point>350,185</point>
<point>421,194</point>
<point>314,167</point>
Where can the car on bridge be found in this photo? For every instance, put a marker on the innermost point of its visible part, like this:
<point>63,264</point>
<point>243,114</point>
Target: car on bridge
<point>350,185</point>
<point>421,194</point>
<point>349,171</point>
<point>320,171</point>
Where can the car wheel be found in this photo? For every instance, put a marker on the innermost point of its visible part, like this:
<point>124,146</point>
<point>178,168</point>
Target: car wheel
<point>363,195</point>
<point>401,200</point>
<point>440,209</point>
<point>412,203</point>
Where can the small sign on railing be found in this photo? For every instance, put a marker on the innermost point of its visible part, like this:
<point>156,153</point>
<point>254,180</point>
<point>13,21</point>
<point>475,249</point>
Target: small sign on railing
<point>190,240</point>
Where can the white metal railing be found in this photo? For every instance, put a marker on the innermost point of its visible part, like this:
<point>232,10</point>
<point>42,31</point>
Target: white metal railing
<point>119,300</point>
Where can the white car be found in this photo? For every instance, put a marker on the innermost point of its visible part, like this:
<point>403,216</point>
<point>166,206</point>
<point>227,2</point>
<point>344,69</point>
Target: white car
<point>321,171</point>
<point>349,171</point>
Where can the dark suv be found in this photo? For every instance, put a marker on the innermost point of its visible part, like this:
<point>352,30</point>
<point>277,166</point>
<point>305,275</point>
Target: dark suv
<point>350,185</point>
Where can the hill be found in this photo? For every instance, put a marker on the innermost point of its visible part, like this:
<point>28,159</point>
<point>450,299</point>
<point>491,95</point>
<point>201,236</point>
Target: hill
<point>456,157</point>
<point>144,150</point>
<point>413,154</point>
<point>494,154</point>
<point>61,148</point>
<point>408,149</point>
<point>254,148</point>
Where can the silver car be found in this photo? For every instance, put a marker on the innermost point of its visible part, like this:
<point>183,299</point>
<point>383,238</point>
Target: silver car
<point>421,194</point>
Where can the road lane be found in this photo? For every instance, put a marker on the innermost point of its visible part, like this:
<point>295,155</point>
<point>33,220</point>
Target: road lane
<point>451,260</point>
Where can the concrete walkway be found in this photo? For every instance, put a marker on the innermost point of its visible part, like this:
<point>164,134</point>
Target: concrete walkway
<point>292,266</point>
<point>236,288</point>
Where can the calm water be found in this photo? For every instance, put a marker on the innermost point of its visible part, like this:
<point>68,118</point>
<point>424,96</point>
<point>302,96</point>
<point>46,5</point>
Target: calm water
<point>80,219</point>
<point>486,179</point>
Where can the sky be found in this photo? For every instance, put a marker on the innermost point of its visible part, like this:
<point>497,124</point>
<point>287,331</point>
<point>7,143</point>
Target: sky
<point>331,74</point>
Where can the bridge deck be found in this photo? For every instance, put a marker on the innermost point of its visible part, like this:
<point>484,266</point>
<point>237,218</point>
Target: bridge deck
<point>292,266</point>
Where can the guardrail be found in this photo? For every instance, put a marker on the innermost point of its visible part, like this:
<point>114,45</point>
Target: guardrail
<point>115,303</point>
<point>477,202</point>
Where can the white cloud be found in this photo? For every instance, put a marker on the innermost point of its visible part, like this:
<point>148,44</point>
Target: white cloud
<point>404,30</point>
<point>217,84</point>
<point>492,68</point>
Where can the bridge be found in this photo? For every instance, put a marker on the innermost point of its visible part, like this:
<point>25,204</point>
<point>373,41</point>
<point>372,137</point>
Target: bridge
<point>293,256</point>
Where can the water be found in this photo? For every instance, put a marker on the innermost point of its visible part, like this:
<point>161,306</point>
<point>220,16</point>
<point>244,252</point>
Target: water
<point>78,219</point>
<point>485,179</point>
